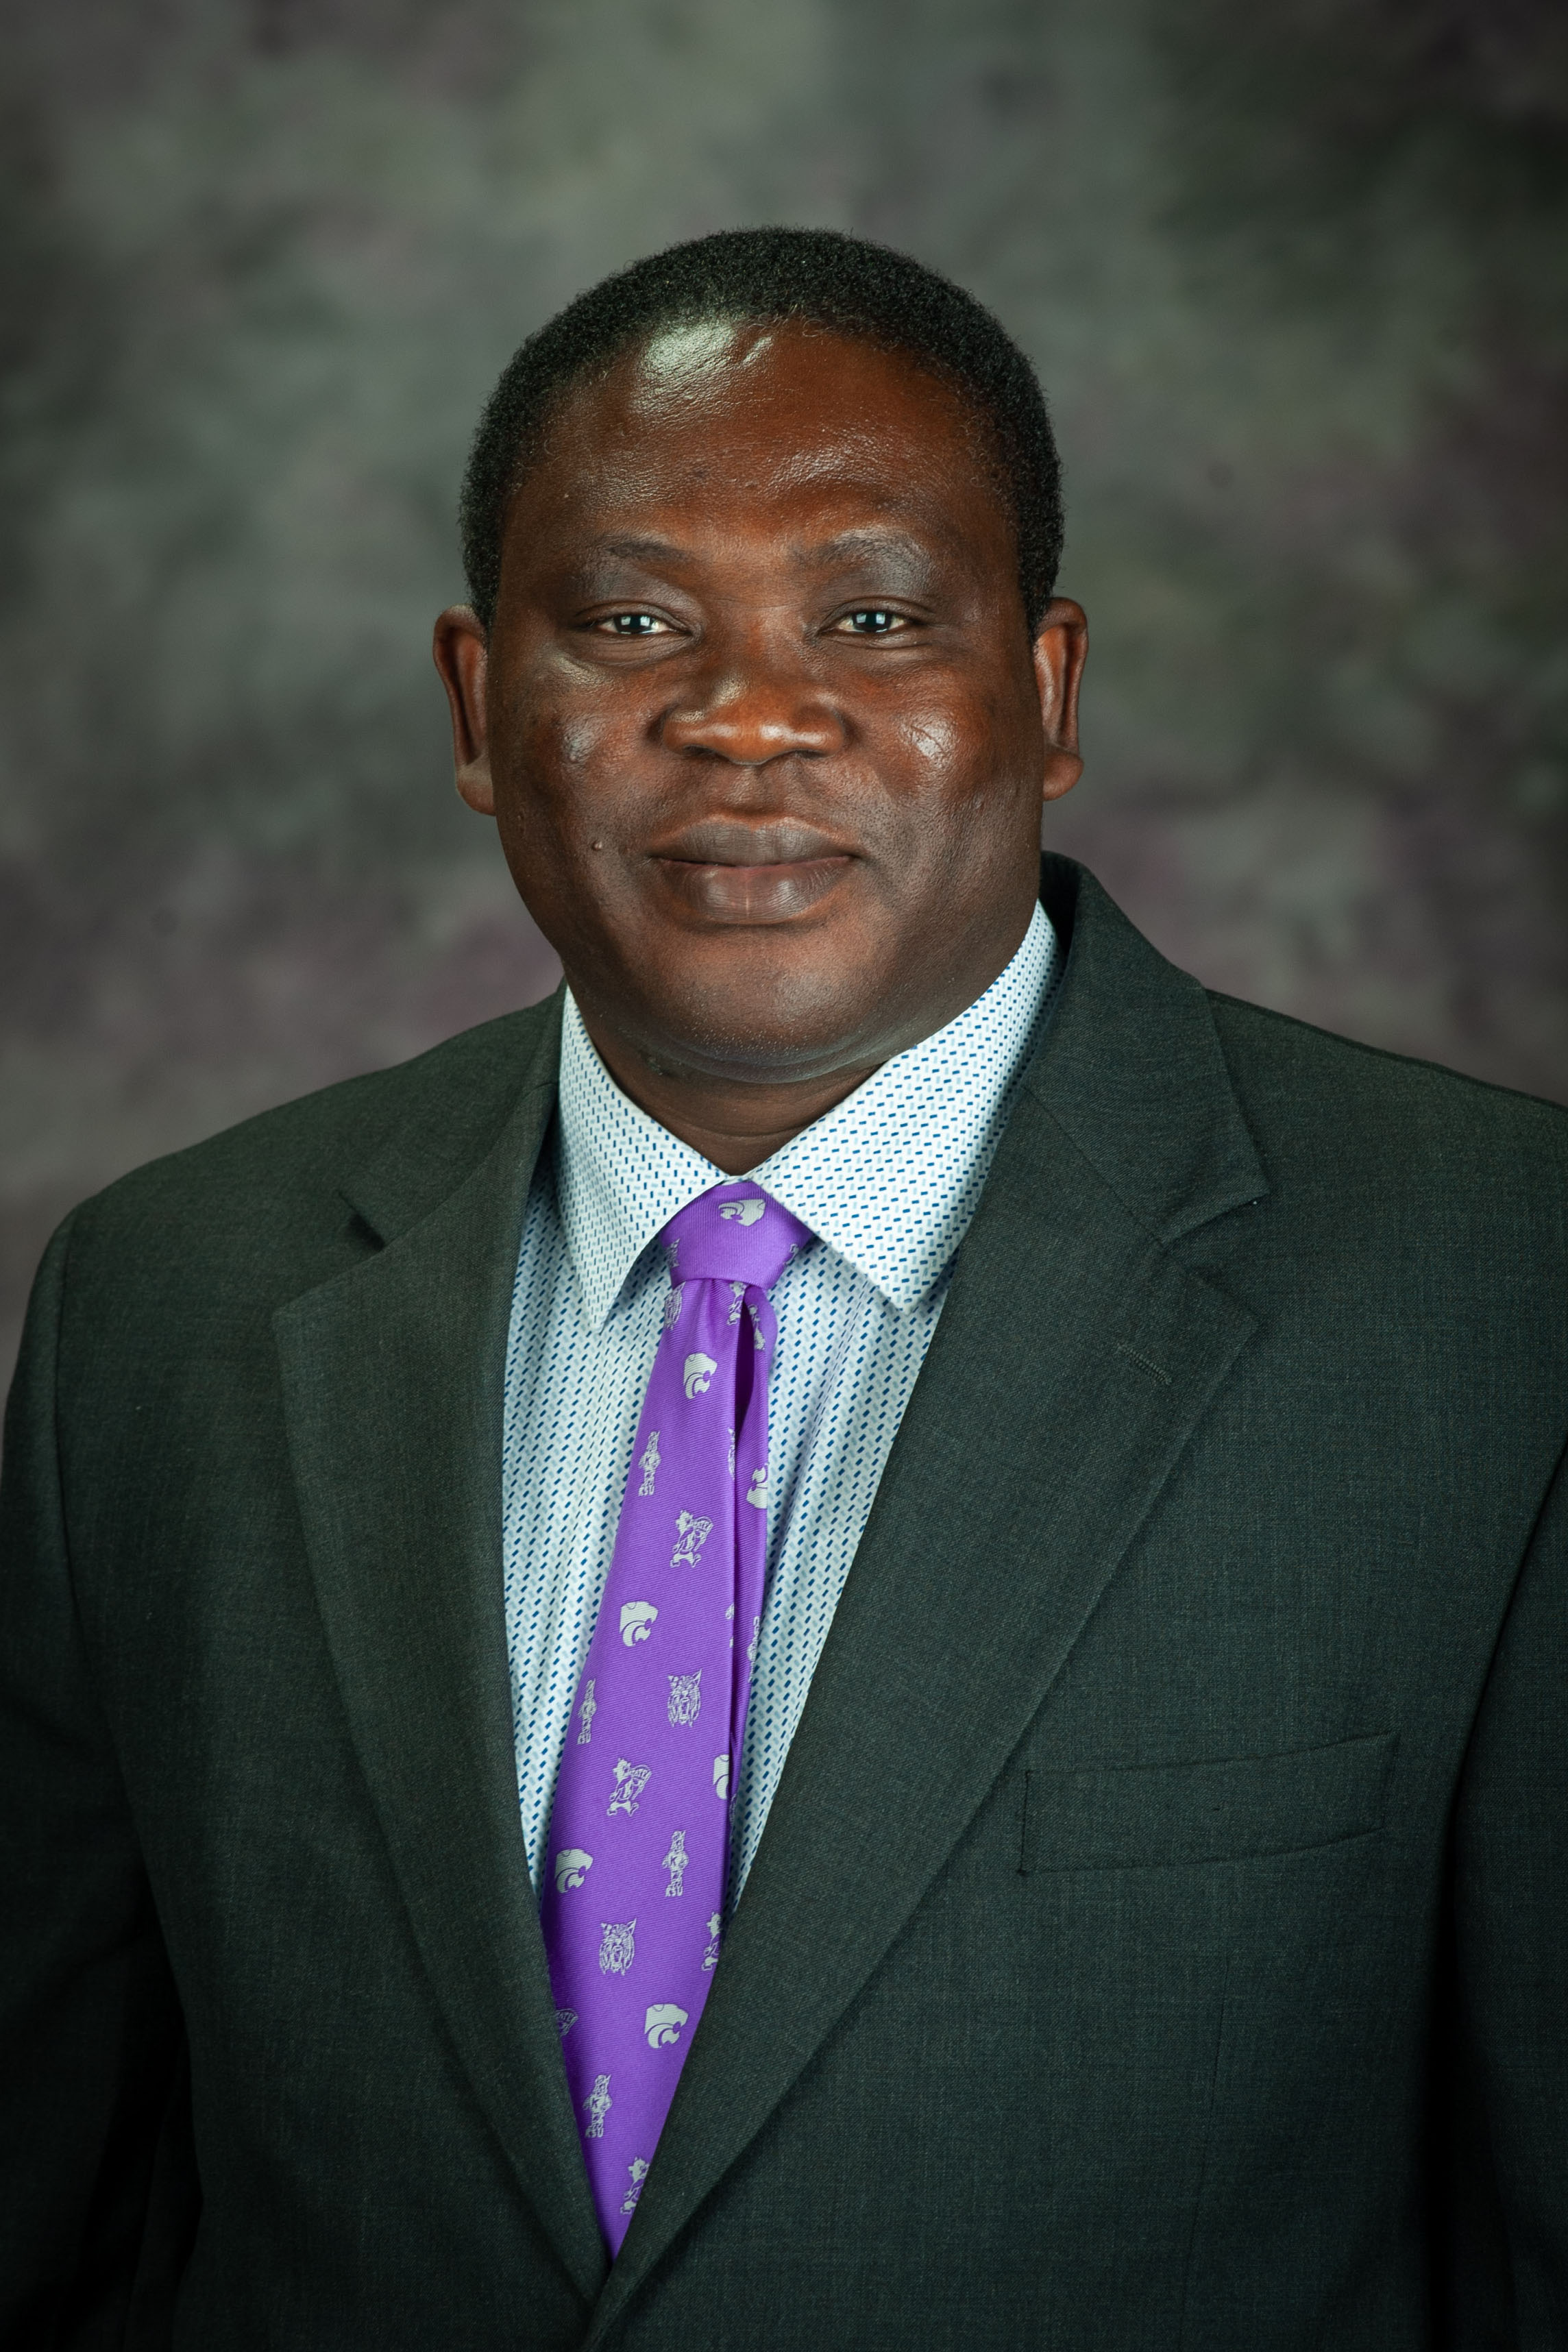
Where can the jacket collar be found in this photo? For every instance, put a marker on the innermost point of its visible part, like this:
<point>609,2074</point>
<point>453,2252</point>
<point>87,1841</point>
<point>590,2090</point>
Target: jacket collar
<point>393,1378</point>
<point>1131,1071</point>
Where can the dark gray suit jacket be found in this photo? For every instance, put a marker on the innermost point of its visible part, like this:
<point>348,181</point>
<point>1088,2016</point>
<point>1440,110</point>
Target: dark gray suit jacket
<point>1159,1937</point>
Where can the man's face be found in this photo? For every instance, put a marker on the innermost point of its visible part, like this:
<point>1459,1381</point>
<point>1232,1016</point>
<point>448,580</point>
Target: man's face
<point>760,719</point>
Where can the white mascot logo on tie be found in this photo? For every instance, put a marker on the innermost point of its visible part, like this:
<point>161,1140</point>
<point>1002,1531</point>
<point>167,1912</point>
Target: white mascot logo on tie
<point>618,1949</point>
<point>698,1375</point>
<point>746,1212</point>
<point>636,1620</point>
<point>691,1533</point>
<point>685,1696</point>
<point>572,1866</point>
<point>662,2025</point>
<point>631,1780</point>
<point>598,2104</point>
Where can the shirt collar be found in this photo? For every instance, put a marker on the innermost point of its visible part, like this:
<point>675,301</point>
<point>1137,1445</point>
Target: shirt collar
<point>890,1177</point>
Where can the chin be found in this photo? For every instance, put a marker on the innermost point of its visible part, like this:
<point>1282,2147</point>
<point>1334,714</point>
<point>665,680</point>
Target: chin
<point>779,1028</point>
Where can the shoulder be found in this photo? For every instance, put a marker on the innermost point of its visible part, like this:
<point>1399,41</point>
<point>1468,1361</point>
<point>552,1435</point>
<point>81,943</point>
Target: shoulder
<point>1189,1096</point>
<point>1284,1063</point>
<point>291,1175</point>
<point>1367,1127</point>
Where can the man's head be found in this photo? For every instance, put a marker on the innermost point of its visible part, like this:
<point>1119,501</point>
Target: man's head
<point>763,680</point>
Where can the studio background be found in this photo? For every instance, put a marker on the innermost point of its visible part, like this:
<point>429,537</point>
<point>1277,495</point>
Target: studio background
<point>1294,277</point>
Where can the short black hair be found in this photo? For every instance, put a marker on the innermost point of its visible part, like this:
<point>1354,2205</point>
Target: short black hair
<point>815,275</point>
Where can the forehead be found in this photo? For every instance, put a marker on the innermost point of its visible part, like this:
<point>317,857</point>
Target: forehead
<point>760,422</point>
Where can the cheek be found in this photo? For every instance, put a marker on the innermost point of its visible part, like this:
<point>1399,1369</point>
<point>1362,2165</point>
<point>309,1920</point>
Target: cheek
<point>577,741</point>
<point>951,732</point>
<point>933,742</point>
<point>948,755</point>
<point>556,738</point>
<point>561,764</point>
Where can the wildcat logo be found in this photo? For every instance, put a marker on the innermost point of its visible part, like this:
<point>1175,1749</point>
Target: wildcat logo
<point>743,1212</point>
<point>650,1461</point>
<point>586,1713</point>
<point>662,2025</point>
<point>720,1776</point>
<point>692,1533</point>
<point>598,2104</point>
<point>698,1375</point>
<point>757,1492</point>
<point>711,1957</point>
<point>631,1780</point>
<point>672,1305</point>
<point>572,1867</point>
<point>637,2167</point>
<point>685,1697</point>
<point>565,2018</point>
<point>675,1863</point>
<point>636,1620</point>
<point>737,1293</point>
<point>619,1947</point>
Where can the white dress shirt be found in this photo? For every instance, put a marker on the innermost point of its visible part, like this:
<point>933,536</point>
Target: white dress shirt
<point>888,1181</point>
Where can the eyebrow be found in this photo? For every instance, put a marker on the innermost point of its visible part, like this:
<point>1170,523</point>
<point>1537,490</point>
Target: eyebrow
<point>641,551</point>
<point>874,539</point>
<point>871,539</point>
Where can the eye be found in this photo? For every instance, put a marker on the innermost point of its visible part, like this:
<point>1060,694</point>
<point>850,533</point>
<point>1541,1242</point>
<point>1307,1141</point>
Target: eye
<point>872,621</point>
<point>633,625</point>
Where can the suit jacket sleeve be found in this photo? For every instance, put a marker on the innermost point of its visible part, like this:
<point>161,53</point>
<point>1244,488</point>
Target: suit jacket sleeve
<point>1510,1893</point>
<point>91,2094</point>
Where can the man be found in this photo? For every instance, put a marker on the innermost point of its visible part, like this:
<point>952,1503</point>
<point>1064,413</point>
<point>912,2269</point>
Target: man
<point>884,1431</point>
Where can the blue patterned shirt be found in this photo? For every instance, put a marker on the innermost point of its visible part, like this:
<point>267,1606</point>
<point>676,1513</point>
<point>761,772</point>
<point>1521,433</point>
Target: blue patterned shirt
<point>888,1179</point>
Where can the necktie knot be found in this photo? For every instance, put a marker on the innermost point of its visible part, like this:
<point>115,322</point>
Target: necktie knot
<point>736,1233</point>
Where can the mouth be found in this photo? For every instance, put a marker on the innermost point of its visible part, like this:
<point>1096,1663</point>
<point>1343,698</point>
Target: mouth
<point>728,872</point>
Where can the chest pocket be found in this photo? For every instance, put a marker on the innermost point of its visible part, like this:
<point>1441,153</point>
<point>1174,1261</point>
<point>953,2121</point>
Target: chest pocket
<point>1111,1817</point>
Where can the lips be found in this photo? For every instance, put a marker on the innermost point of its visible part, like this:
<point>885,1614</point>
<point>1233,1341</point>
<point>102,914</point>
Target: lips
<point>734,841</point>
<point>730,872</point>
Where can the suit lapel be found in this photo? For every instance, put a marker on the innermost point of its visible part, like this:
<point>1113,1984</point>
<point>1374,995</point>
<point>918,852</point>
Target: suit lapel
<point>394,1381</point>
<point>1073,1360</point>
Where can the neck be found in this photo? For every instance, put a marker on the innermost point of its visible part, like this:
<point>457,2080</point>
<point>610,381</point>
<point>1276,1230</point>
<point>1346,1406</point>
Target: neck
<point>736,1125</point>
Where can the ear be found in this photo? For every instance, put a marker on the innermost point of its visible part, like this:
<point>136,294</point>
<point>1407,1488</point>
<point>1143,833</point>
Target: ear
<point>1061,647</point>
<point>462,655</point>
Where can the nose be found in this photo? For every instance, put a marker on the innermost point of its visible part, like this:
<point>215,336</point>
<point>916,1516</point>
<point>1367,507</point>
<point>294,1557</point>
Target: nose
<point>755,703</point>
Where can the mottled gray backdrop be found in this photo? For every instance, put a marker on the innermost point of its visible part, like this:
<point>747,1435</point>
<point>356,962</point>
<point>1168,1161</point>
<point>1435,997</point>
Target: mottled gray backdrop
<point>1293,271</point>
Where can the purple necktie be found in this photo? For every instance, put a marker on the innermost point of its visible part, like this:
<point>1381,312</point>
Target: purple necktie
<point>638,1853</point>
